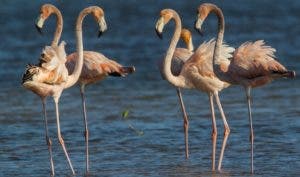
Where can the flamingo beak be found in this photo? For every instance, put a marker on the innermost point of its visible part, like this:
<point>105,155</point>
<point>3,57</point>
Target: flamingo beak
<point>102,26</point>
<point>100,34</point>
<point>159,27</point>
<point>159,34</point>
<point>39,29</point>
<point>39,22</point>
<point>198,25</point>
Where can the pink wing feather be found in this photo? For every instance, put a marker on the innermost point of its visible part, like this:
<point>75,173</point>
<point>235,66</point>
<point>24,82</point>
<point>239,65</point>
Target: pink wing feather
<point>256,59</point>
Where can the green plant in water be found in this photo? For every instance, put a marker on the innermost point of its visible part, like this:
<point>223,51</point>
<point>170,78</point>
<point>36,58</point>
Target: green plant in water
<point>125,115</point>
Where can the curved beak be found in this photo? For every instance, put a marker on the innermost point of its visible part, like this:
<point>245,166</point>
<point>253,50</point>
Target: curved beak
<point>198,25</point>
<point>99,34</point>
<point>159,34</point>
<point>39,22</point>
<point>102,26</point>
<point>38,29</point>
<point>159,26</point>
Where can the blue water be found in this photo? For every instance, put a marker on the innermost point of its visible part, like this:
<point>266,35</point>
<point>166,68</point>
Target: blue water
<point>154,146</point>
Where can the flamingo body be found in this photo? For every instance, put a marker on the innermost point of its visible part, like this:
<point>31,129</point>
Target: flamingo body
<point>252,65</point>
<point>180,56</point>
<point>50,77</point>
<point>197,71</point>
<point>96,67</point>
<point>45,78</point>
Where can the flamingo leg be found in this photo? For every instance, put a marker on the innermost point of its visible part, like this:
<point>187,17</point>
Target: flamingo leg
<point>248,95</point>
<point>185,124</point>
<point>60,138</point>
<point>226,129</point>
<point>48,140</point>
<point>214,131</point>
<point>86,132</point>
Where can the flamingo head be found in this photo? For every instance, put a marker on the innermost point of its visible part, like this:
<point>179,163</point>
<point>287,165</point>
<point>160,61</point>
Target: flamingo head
<point>165,16</point>
<point>202,12</point>
<point>186,36</point>
<point>98,14</point>
<point>45,11</point>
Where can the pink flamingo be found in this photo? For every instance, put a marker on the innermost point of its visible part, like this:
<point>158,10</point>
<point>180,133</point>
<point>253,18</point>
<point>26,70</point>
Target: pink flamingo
<point>197,72</point>
<point>179,58</point>
<point>252,65</point>
<point>96,66</point>
<point>36,78</point>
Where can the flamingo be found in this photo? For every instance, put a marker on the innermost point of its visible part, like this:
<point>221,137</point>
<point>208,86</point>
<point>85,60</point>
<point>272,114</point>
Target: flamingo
<point>36,78</point>
<point>179,57</point>
<point>253,64</point>
<point>197,72</point>
<point>96,67</point>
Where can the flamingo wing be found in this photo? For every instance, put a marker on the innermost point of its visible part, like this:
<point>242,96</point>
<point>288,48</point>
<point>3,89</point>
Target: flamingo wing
<point>96,67</point>
<point>41,75</point>
<point>199,67</point>
<point>181,55</point>
<point>203,57</point>
<point>255,59</point>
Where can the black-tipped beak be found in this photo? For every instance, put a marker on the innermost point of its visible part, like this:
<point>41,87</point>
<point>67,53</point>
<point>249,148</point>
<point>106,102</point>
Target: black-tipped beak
<point>39,29</point>
<point>100,34</point>
<point>159,34</point>
<point>200,31</point>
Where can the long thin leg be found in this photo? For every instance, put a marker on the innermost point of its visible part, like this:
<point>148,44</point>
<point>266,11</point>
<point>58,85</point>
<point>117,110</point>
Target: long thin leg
<point>248,95</point>
<point>48,140</point>
<point>86,131</point>
<point>185,124</point>
<point>214,131</point>
<point>61,141</point>
<point>226,129</point>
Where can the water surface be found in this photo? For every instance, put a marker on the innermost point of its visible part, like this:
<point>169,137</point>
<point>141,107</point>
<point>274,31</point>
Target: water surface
<point>155,146</point>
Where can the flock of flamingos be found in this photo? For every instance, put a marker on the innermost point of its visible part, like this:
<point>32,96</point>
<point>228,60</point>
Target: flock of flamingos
<point>212,67</point>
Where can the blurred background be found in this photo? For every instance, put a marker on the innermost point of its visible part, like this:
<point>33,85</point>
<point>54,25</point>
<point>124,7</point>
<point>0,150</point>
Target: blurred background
<point>149,140</point>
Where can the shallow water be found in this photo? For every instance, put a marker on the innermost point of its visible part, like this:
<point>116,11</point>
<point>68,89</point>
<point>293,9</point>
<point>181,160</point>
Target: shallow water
<point>154,146</point>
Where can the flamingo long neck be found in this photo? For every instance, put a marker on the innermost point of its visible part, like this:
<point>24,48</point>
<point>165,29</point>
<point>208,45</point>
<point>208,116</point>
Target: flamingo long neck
<point>72,79</point>
<point>190,45</point>
<point>59,26</point>
<point>221,28</point>
<point>178,81</point>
